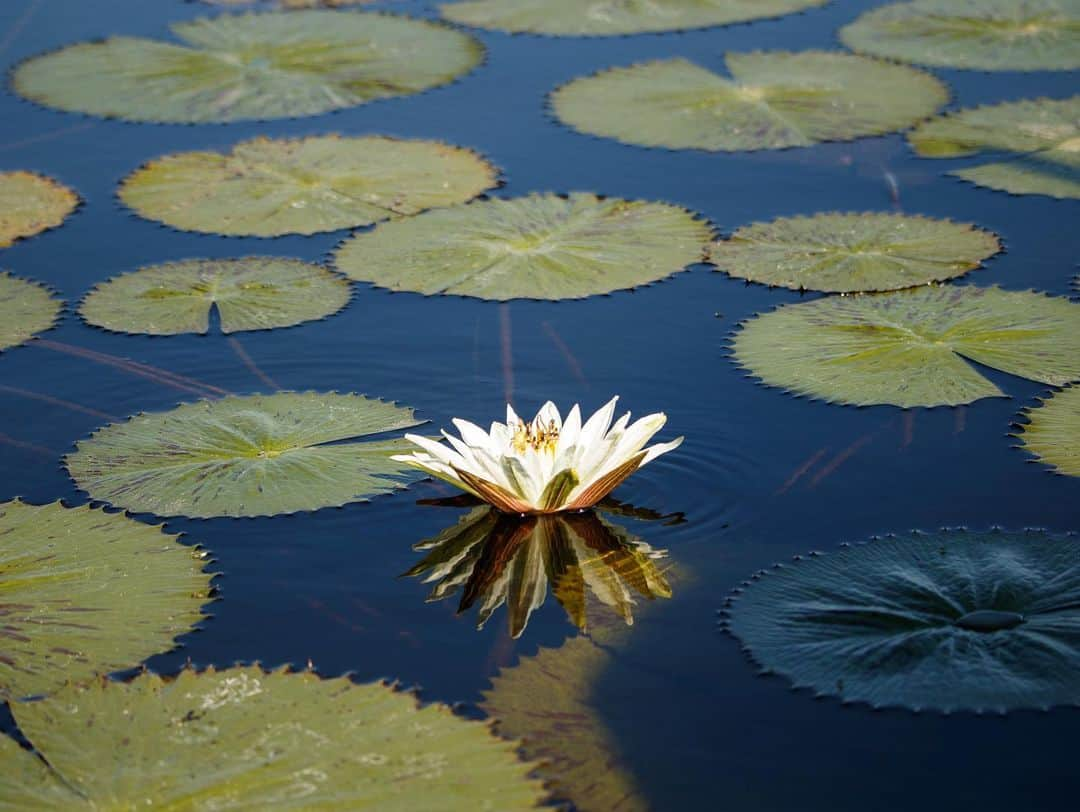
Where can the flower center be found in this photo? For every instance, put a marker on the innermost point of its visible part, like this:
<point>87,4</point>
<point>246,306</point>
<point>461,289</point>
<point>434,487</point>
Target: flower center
<point>536,436</point>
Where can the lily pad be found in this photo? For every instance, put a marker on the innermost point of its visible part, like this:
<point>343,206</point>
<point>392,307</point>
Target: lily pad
<point>242,738</point>
<point>1053,433</point>
<point>908,348</point>
<point>597,18</point>
<point>535,247</point>
<point>86,592</point>
<point>267,187</point>
<point>981,34</point>
<point>30,204</point>
<point>254,293</point>
<point>853,252</point>
<point>1035,144</point>
<point>774,100</point>
<point>941,621</point>
<point>26,309</point>
<point>245,67</point>
<point>260,455</point>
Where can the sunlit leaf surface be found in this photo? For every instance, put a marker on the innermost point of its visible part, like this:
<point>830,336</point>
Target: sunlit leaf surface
<point>1053,433</point>
<point>30,204</point>
<point>26,308</point>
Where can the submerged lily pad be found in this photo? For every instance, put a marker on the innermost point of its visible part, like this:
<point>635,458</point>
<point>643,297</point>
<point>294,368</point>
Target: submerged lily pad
<point>1036,140</point>
<point>943,621</point>
<point>908,348</point>
<point>253,293</point>
<point>983,34</point>
<point>26,309</point>
<point>86,592</point>
<point>535,247</point>
<point>30,204</point>
<point>853,252</point>
<point>259,455</point>
<point>242,738</point>
<point>267,187</point>
<point>592,18</point>
<point>250,66</point>
<point>1053,433</point>
<point>775,99</point>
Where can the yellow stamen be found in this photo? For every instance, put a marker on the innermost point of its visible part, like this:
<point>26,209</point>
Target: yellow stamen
<point>536,436</point>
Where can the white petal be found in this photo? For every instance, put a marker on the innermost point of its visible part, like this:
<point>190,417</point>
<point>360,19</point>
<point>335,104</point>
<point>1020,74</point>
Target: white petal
<point>436,449</point>
<point>511,417</point>
<point>597,425</point>
<point>471,433</point>
<point>571,429</point>
<point>661,448</point>
<point>549,413</point>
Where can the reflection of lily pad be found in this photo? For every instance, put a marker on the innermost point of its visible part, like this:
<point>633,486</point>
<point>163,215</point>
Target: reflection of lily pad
<point>908,348</point>
<point>250,66</point>
<point>1036,140</point>
<point>30,204</point>
<point>241,738</point>
<point>254,293</point>
<point>607,17</point>
<point>774,99</point>
<point>1053,433</point>
<point>536,247</point>
<point>853,252</point>
<point>944,621</point>
<point>26,308</point>
<point>260,455</point>
<point>984,34</point>
<point>85,592</point>
<point>266,188</point>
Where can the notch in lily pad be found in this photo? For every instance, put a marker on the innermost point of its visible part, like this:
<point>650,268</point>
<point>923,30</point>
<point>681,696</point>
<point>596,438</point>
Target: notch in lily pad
<point>26,309</point>
<point>1052,431</point>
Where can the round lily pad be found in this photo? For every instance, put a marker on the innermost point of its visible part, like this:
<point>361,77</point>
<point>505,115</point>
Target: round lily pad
<point>981,34</point>
<point>535,247</point>
<point>774,100</point>
<point>253,293</point>
<point>942,621</point>
<point>270,187</point>
<point>853,252</point>
<point>26,309</point>
<point>242,738</point>
<point>250,67</point>
<point>1035,145</point>
<point>597,18</point>
<point>1053,431</point>
<point>30,204</point>
<point>259,455</point>
<point>86,592</point>
<point>908,348</point>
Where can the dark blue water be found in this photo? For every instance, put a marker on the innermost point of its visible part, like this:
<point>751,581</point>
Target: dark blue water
<point>762,475</point>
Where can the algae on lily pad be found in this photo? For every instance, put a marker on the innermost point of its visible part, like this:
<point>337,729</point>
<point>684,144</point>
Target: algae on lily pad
<point>1033,145</point>
<point>242,738</point>
<point>773,100</point>
<point>1005,35</point>
<point>853,252</point>
<point>253,293</point>
<point>1053,431</point>
<point>597,18</point>
<point>30,204</point>
<point>941,621</point>
<point>26,309</point>
<point>243,67</point>
<point>259,455</point>
<point>912,347</point>
<point>535,247</point>
<point>270,187</point>
<point>85,592</point>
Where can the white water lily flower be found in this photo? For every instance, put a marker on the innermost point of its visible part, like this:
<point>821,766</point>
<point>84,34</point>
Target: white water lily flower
<point>544,466</point>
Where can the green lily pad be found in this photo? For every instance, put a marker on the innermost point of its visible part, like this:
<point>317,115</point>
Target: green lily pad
<point>253,293</point>
<point>981,34</point>
<point>853,252</point>
<point>908,348</point>
<point>941,621</point>
<point>242,738</point>
<point>1035,144</point>
<point>535,247</point>
<point>774,100</point>
<point>26,309</point>
<point>30,204</point>
<point>250,66</point>
<point>86,592</point>
<point>1053,431</point>
<point>267,188</point>
<point>260,455</point>
<point>597,18</point>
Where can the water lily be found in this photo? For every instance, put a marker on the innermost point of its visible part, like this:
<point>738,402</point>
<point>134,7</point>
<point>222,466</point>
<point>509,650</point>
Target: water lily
<point>547,465</point>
